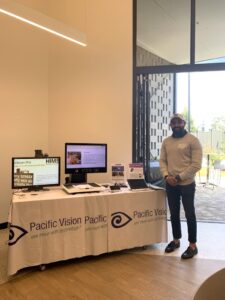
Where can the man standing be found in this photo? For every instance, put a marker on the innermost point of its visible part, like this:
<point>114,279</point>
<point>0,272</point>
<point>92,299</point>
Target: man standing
<point>180,160</point>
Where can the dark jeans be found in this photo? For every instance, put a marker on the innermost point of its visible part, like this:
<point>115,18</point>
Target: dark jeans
<point>186,194</point>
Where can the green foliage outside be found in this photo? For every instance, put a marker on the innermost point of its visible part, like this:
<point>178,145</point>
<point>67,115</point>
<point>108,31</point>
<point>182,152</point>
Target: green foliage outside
<point>218,124</point>
<point>193,127</point>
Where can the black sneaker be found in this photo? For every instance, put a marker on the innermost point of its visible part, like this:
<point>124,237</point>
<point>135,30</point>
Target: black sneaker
<point>172,246</point>
<point>189,253</point>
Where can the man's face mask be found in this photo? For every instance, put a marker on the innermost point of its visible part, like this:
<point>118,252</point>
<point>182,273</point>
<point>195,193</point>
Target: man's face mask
<point>177,125</point>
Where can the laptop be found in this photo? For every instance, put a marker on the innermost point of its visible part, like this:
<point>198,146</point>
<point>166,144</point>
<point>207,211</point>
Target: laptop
<point>137,184</point>
<point>83,188</point>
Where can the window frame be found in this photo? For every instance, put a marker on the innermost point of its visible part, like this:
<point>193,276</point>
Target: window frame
<point>161,69</point>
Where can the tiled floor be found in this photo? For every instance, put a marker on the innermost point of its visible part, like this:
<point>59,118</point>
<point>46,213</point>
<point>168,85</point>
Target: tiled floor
<point>209,203</point>
<point>211,242</point>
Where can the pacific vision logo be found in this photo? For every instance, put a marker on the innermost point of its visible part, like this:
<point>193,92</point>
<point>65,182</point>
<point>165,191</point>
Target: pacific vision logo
<point>120,219</point>
<point>15,234</point>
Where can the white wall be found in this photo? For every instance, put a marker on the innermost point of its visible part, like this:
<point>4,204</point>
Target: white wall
<point>23,98</point>
<point>71,93</point>
<point>90,95</point>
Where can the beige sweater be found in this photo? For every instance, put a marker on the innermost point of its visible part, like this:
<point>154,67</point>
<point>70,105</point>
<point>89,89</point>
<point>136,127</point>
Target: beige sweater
<point>181,156</point>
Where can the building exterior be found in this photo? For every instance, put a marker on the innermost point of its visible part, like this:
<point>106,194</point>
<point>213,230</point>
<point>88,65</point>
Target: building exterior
<point>154,106</point>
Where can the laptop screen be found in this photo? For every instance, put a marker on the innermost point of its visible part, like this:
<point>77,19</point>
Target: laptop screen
<point>137,184</point>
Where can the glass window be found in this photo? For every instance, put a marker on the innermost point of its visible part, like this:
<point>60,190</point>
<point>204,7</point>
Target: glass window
<point>149,129</point>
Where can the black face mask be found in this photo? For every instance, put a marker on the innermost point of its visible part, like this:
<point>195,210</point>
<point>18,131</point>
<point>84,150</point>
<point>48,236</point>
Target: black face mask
<point>178,132</point>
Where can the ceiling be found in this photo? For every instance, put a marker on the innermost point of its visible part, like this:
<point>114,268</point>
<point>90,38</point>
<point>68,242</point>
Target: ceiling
<point>163,28</point>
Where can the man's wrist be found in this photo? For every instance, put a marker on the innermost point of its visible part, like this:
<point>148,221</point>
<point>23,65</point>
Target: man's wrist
<point>178,178</point>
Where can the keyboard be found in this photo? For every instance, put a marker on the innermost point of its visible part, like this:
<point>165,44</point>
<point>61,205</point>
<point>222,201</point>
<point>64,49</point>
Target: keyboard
<point>92,187</point>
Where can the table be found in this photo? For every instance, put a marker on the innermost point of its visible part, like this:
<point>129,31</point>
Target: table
<point>49,226</point>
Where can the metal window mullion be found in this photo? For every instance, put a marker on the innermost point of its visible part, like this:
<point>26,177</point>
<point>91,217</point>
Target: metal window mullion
<point>148,127</point>
<point>138,118</point>
<point>192,32</point>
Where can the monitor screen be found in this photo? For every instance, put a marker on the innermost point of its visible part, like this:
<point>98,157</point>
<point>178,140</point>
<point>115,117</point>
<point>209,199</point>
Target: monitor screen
<point>35,173</point>
<point>82,158</point>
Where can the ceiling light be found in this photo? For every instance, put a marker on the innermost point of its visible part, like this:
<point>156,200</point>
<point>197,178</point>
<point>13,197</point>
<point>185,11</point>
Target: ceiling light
<point>39,20</point>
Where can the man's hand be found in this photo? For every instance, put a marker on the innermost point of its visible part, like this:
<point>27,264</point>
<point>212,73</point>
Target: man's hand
<point>171,180</point>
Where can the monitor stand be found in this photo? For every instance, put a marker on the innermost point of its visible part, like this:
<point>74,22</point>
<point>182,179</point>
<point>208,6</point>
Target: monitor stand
<point>36,189</point>
<point>78,178</point>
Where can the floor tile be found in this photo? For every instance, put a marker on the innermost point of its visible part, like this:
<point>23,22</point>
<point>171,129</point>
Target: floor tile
<point>211,242</point>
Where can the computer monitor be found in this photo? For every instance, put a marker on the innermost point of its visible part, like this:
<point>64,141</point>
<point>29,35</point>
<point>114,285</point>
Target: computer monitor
<point>35,173</point>
<point>83,158</point>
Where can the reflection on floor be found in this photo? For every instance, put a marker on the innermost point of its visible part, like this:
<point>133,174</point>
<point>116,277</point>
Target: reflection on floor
<point>209,204</point>
<point>211,242</point>
<point>211,245</point>
<point>3,254</point>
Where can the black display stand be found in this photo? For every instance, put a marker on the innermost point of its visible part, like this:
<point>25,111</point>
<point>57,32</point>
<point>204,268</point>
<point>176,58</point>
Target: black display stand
<point>34,189</point>
<point>78,178</point>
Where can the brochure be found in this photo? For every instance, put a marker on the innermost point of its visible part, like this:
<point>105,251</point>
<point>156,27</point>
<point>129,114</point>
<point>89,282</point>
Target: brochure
<point>118,173</point>
<point>136,171</point>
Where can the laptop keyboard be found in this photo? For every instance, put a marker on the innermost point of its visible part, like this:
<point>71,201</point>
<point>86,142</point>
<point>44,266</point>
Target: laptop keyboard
<point>94,184</point>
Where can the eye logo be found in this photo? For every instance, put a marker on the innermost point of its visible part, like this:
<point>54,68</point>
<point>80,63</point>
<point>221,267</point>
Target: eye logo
<point>15,234</point>
<point>120,219</point>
